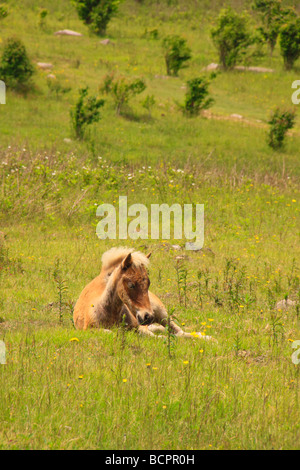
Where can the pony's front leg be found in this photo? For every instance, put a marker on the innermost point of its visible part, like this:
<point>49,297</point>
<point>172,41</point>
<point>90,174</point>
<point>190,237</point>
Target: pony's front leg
<point>144,330</point>
<point>132,323</point>
<point>161,316</point>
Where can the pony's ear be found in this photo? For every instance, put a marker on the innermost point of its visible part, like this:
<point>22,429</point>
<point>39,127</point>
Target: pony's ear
<point>148,255</point>
<point>126,263</point>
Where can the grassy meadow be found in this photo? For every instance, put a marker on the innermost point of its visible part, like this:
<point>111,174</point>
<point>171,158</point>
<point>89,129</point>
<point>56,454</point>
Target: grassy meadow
<point>68,389</point>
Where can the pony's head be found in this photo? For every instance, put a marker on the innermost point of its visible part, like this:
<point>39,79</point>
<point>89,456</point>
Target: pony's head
<point>133,285</point>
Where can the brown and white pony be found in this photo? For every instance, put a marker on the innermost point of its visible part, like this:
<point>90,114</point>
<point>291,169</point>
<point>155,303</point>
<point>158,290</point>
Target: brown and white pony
<point>122,289</point>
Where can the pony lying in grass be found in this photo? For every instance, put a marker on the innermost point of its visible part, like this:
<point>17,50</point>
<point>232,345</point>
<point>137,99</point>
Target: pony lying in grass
<point>121,292</point>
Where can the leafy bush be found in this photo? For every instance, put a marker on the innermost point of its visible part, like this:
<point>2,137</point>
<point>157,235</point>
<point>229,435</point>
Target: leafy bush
<point>3,11</point>
<point>272,16</point>
<point>231,37</point>
<point>290,43</point>
<point>16,68</point>
<point>42,17</point>
<point>148,103</point>
<point>86,112</point>
<point>280,122</point>
<point>176,53</point>
<point>197,96</point>
<point>122,89</point>
<point>151,34</point>
<point>96,13</point>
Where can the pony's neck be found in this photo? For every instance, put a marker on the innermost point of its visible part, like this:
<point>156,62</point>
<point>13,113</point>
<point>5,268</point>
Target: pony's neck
<point>111,301</point>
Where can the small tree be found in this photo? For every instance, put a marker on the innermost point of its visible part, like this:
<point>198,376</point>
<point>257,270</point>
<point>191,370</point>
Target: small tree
<point>3,11</point>
<point>148,103</point>
<point>176,53</point>
<point>96,13</point>
<point>16,68</point>
<point>290,43</point>
<point>280,122</point>
<point>86,112</point>
<point>42,17</point>
<point>122,89</point>
<point>197,96</point>
<point>272,16</point>
<point>231,37</point>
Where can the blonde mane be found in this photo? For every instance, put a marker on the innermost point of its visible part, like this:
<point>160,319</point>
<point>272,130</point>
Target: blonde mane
<point>115,256</point>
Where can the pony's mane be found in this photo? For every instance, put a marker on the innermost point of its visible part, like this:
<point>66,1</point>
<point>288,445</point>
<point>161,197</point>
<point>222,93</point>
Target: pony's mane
<point>115,256</point>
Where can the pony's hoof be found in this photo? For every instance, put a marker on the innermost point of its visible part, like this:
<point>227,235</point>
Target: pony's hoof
<point>206,338</point>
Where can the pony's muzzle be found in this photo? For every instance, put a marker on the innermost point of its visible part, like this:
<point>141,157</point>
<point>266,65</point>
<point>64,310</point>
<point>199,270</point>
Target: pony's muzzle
<point>145,318</point>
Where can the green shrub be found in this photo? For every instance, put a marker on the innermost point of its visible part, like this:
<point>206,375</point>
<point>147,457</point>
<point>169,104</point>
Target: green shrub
<point>290,43</point>
<point>85,113</point>
<point>231,37</point>
<point>16,68</point>
<point>148,103</point>
<point>176,53</point>
<point>96,13</point>
<point>272,16</point>
<point>42,17</point>
<point>280,122</point>
<point>122,89</point>
<point>197,96</point>
<point>3,11</point>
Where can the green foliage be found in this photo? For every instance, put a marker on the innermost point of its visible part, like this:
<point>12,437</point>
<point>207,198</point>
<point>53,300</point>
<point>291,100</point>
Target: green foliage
<point>272,16</point>
<point>197,96</point>
<point>201,394</point>
<point>151,34</point>
<point>290,43</point>
<point>231,37</point>
<point>42,17</point>
<point>171,337</point>
<point>62,288</point>
<point>96,13</point>
<point>176,53</point>
<point>148,103</point>
<point>280,122</point>
<point>181,278</point>
<point>86,112</point>
<point>3,11</point>
<point>16,68</point>
<point>122,89</point>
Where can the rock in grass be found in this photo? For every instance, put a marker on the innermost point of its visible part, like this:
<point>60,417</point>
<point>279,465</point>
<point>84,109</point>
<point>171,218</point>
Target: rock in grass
<point>285,304</point>
<point>67,32</point>
<point>212,67</point>
<point>236,116</point>
<point>44,65</point>
<point>243,68</point>
<point>106,41</point>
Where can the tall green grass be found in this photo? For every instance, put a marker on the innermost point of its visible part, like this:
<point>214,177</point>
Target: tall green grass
<point>68,389</point>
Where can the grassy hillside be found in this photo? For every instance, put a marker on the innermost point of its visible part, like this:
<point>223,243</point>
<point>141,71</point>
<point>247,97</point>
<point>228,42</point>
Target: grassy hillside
<point>68,389</point>
<point>42,121</point>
